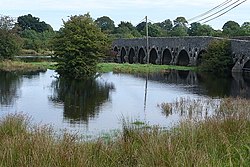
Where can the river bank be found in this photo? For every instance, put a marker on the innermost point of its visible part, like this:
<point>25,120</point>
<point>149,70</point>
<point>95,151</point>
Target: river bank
<point>220,140</point>
<point>101,67</point>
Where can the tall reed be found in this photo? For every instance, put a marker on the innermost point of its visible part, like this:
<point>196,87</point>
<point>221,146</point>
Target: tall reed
<point>222,139</point>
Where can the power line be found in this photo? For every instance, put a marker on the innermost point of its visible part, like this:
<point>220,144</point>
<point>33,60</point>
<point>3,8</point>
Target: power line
<point>211,10</point>
<point>228,6</point>
<point>225,11</point>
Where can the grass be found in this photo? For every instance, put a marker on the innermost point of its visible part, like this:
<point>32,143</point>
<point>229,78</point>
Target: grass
<point>45,64</point>
<point>220,140</point>
<point>101,67</point>
<point>9,65</point>
<point>138,68</point>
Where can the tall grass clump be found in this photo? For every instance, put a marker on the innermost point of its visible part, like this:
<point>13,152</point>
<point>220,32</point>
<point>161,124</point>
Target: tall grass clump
<point>219,139</point>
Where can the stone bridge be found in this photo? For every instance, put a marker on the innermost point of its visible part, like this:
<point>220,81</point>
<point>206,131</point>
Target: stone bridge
<point>184,51</point>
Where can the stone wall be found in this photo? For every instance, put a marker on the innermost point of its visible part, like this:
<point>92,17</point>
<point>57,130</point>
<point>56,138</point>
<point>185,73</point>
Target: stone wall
<point>179,47</point>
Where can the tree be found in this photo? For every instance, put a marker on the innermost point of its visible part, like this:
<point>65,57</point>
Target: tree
<point>245,28</point>
<point>179,31</point>
<point>231,28</point>
<point>218,58</point>
<point>166,26</point>
<point>154,30</point>
<point>105,23</point>
<point>180,27</point>
<point>6,22</point>
<point>78,47</point>
<point>126,30</point>
<point>28,22</point>
<point>180,21</point>
<point>198,29</point>
<point>10,42</point>
<point>37,41</point>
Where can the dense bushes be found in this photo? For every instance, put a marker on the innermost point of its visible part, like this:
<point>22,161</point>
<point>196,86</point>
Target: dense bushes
<point>218,58</point>
<point>78,47</point>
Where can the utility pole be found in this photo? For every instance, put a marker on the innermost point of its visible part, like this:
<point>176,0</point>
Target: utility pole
<point>147,49</point>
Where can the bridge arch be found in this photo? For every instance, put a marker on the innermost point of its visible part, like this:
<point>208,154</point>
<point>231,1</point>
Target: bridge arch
<point>153,56</point>
<point>141,56</point>
<point>166,57</point>
<point>246,67</point>
<point>199,57</point>
<point>116,49</point>
<point>131,55</point>
<point>183,58</point>
<point>123,54</point>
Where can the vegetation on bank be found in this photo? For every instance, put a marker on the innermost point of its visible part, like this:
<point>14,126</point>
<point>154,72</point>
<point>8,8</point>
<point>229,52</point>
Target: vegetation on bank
<point>220,140</point>
<point>138,68</point>
<point>9,65</point>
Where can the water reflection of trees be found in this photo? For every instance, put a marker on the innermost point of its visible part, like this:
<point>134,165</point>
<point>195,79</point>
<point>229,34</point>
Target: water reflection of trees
<point>81,99</point>
<point>9,84</point>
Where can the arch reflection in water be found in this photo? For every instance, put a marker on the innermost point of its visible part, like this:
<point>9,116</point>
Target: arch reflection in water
<point>205,83</point>
<point>81,99</point>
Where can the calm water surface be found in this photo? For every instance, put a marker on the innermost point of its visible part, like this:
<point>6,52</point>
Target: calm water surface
<point>94,107</point>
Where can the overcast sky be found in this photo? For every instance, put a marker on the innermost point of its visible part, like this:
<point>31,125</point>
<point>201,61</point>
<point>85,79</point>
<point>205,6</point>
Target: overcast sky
<point>53,11</point>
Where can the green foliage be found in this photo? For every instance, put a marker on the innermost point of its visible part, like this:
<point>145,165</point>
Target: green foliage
<point>10,42</point>
<point>125,30</point>
<point>180,21</point>
<point>37,41</point>
<point>179,31</point>
<point>154,30</point>
<point>79,46</point>
<point>218,58</point>
<point>197,29</point>
<point>105,23</point>
<point>28,22</point>
<point>245,28</point>
<point>231,28</point>
<point>6,22</point>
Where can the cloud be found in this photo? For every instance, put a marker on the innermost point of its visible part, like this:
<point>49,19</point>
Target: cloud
<point>120,10</point>
<point>97,4</point>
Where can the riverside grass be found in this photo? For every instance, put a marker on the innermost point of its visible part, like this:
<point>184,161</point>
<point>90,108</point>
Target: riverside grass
<point>8,65</point>
<point>220,140</point>
<point>138,68</point>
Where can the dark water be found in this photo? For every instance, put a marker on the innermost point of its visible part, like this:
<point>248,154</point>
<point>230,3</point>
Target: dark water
<point>98,106</point>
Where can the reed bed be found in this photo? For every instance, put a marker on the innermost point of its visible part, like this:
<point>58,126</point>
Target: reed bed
<point>222,139</point>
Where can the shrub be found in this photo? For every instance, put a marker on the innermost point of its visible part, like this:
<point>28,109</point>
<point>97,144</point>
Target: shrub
<point>218,58</point>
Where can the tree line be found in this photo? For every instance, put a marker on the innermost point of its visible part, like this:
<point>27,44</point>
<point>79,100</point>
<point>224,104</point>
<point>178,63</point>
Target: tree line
<point>168,28</point>
<point>82,41</point>
<point>34,36</point>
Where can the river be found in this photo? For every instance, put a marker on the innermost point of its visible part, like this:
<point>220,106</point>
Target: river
<point>96,107</point>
